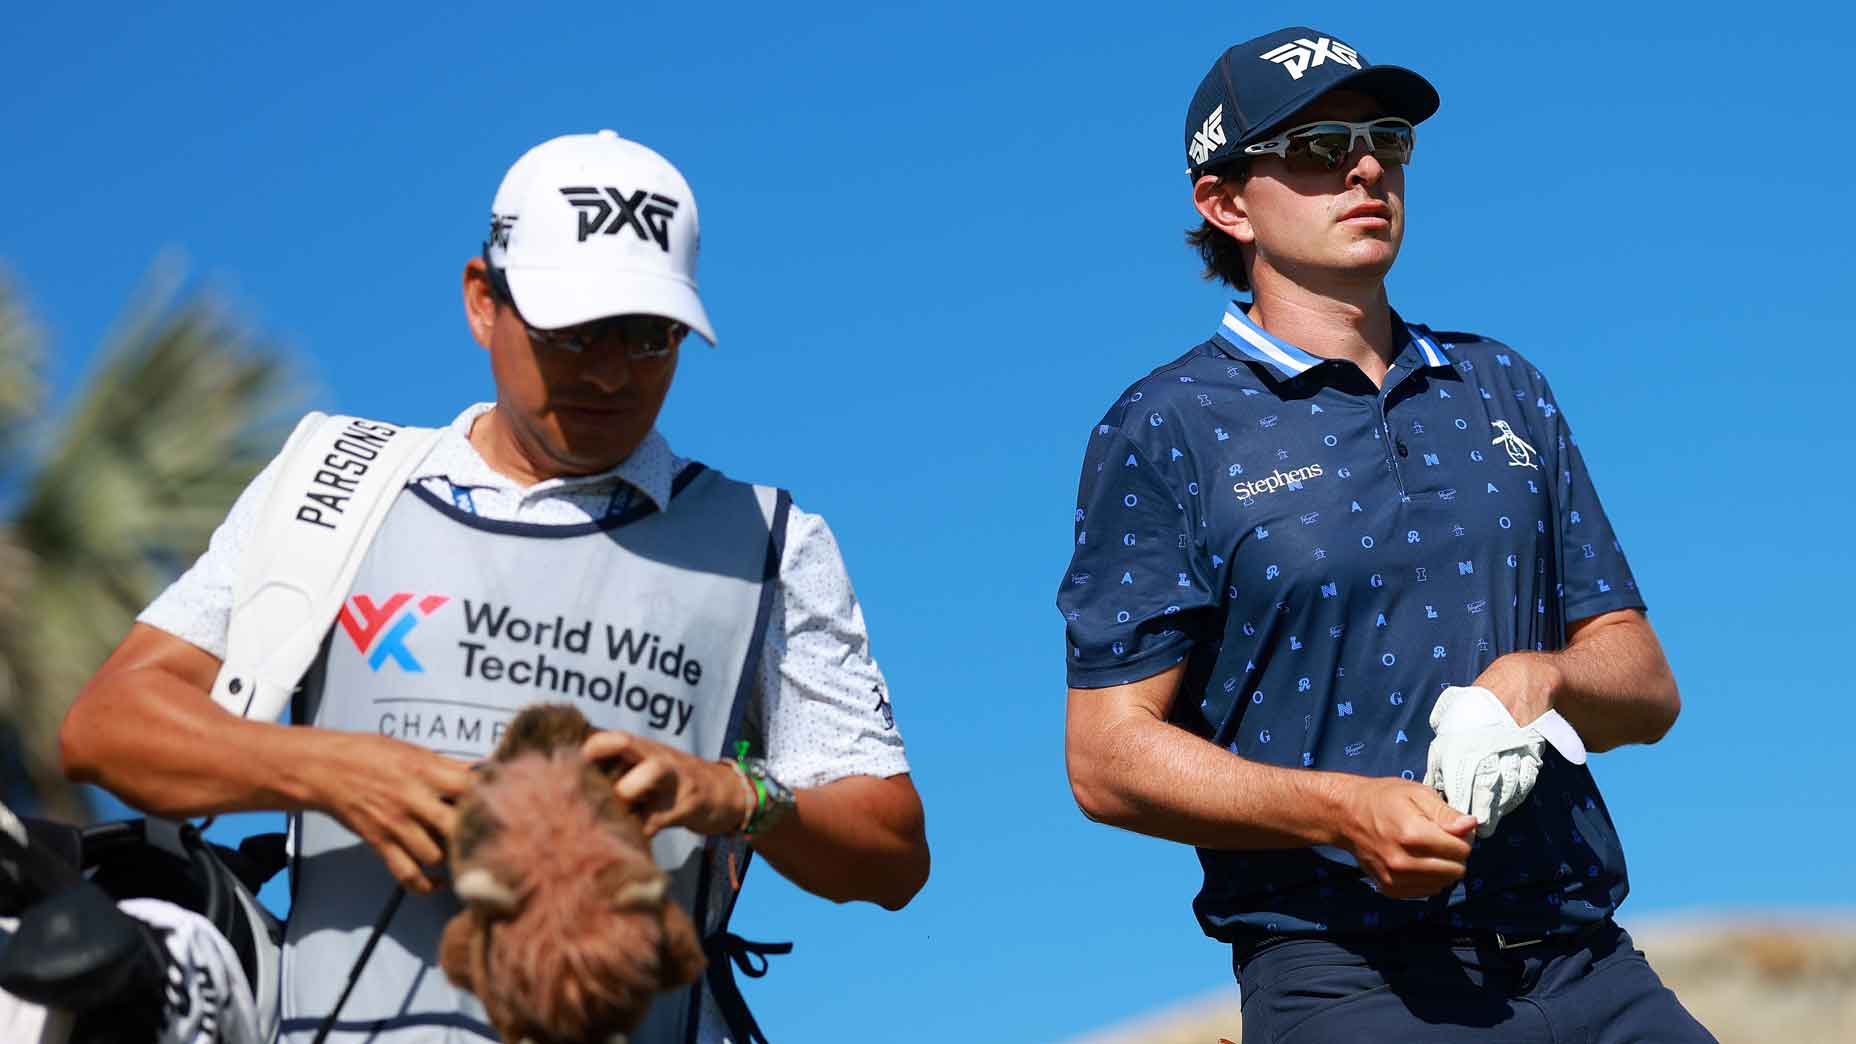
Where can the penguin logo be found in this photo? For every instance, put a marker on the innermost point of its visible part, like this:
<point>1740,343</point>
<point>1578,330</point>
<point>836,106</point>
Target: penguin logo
<point>1520,454</point>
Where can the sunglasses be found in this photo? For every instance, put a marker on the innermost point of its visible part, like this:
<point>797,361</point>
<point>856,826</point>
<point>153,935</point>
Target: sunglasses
<point>644,336</point>
<point>1325,145</point>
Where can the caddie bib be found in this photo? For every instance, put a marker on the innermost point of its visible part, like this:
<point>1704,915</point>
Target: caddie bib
<point>649,621</point>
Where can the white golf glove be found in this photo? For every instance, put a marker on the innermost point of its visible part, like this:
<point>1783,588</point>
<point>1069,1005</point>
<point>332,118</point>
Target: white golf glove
<point>1481,761</point>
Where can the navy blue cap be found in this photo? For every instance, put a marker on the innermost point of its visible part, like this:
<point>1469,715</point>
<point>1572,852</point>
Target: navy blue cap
<point>1259,83</point>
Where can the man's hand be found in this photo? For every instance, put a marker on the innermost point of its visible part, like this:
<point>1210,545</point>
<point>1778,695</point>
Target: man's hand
<point>669,787</point>
<point>146,728</point>
<point>1480,760</point>
<point>1404,836</point>
<point>395,796</point>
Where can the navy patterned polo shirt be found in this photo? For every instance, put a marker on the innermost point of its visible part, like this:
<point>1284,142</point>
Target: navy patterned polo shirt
<point>1326,556</point>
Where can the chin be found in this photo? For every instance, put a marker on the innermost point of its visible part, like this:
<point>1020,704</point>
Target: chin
<point>1371,258</point>
<point>586,455</point>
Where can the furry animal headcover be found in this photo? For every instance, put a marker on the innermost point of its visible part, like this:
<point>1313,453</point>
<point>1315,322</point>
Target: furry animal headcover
<point>568,929</point>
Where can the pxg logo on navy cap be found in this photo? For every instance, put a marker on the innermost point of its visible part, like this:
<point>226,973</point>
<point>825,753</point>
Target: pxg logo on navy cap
<point>1259,83</point>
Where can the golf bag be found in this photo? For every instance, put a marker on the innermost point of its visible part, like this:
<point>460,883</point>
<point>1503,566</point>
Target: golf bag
<point>134,932</point>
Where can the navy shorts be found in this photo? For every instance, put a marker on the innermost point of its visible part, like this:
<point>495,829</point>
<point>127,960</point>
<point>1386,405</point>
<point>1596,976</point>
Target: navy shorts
<point>1595,988</point>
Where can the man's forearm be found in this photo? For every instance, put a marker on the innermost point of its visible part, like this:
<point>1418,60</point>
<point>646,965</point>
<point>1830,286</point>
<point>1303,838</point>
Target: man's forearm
<point>1143,774</point>
<point>146,727</point>
<point>156,743</point>
<point>854,838</point>
<point>1615,684</point>
<point>1132,768</point>
<point>1612,682</point>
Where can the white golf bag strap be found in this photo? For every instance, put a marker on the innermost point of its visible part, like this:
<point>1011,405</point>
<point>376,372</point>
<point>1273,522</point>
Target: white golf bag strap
<point>335,481</point>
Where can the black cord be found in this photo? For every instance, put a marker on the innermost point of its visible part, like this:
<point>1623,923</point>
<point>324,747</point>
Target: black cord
<point>751,958</point>
<point>354,973</point>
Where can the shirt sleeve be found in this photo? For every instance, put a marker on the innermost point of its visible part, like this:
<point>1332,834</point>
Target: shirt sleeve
<point>1594,572</point>
<point>1136,586</point>
<point>197,607</point>
<point>824,710</point>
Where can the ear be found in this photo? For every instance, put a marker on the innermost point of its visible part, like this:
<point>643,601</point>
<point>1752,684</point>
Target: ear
<point>543,728</point>
<point>479,303</point>
<point>1220,201</point>
<point>473,827</point>
<point>481,889</point>
<point>641,893</point>
<point>633,885</point>
<point>571,726</point>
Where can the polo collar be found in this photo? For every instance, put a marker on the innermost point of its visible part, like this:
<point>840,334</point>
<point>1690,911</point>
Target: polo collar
<point>1240,336</point>
<point>650,469</point>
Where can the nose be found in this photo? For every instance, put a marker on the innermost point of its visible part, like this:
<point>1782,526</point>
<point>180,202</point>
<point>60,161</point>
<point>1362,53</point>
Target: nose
<point>1366,169</point>
<point>606,368</point>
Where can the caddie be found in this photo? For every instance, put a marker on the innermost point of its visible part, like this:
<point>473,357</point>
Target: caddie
<point>1344,611</point>
<point>548,546</point>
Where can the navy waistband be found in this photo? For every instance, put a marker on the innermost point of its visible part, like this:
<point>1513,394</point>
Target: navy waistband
<point>1520,943</point>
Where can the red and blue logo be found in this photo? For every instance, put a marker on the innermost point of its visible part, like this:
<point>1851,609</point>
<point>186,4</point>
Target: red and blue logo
<point>379,631</point>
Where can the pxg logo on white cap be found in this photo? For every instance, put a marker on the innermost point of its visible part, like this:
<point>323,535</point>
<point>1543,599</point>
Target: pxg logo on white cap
<point>586,226</point>
<point>635,212</point>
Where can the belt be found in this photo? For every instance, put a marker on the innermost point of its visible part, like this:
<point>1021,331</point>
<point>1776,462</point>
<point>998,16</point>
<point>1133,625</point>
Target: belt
<point>1500,941</point>
<point>1503,940</point>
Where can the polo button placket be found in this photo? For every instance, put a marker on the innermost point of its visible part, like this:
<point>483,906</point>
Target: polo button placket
<point>1394,448</point>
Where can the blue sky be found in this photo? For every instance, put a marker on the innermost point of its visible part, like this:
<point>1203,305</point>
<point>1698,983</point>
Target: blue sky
<point>938,240</point>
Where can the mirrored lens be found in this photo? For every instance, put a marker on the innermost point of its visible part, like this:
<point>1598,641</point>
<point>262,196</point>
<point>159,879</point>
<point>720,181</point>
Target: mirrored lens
<point>1326,146</point>
<point>1392,141</point>
<point>1322,146</point>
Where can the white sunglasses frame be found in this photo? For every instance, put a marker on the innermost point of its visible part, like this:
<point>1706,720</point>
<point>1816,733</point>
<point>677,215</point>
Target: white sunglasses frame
<point>1279,145</point>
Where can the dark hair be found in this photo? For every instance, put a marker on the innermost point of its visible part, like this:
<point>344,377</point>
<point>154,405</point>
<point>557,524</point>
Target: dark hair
<point>1223,258</point>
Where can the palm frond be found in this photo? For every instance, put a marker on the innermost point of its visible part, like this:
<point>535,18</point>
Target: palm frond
<point>22,388</point>
<point>22,391</point>
<point>182,409</point>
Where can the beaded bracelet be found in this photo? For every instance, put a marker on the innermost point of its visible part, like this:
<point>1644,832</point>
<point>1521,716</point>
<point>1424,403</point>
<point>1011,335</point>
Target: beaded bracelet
<point>757,791</point>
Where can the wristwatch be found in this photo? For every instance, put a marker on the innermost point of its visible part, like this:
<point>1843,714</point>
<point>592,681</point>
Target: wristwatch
<point>773,799</point>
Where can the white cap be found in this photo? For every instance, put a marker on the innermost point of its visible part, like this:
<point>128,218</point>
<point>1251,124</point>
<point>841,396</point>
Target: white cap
<point>587,226</point>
